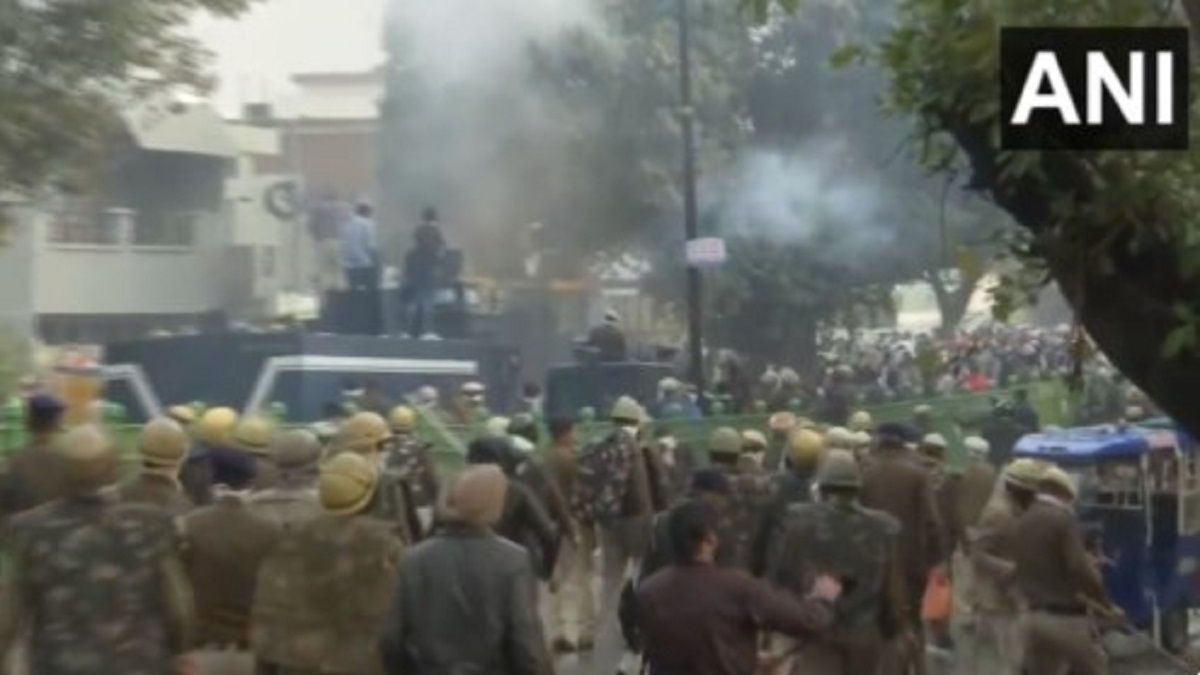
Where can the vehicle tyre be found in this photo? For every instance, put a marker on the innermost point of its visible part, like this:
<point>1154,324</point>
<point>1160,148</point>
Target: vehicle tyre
<point>1175,638</point>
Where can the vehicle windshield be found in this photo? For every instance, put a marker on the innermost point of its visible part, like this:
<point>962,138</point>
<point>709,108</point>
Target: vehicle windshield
<point>1110,483</point>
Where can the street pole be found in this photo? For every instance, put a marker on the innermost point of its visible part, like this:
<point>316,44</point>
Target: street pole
<point>691,227</point>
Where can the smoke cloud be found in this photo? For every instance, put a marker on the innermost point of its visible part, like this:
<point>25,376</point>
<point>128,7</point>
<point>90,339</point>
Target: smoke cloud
<point>469,133</point>
<point>808,195</point>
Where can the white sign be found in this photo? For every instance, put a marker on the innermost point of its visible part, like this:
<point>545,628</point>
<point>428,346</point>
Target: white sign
<point>706,252</point>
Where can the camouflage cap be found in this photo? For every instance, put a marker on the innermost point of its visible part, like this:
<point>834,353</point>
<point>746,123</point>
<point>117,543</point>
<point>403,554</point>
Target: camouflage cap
<point>296,449</point>
<point>839,469</point>
<point>725,441</point>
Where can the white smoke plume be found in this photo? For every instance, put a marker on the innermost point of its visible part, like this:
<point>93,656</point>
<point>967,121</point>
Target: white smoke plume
<point>807,195</point>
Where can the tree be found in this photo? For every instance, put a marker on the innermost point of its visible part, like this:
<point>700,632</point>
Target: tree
<point>1116,230</point>
<point>68,68</point>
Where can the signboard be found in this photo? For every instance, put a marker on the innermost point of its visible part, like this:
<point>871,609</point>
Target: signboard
<point>706,252</point>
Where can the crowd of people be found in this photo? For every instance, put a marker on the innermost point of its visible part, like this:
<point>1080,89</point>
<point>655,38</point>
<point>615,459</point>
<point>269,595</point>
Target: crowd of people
<point>240,547</point>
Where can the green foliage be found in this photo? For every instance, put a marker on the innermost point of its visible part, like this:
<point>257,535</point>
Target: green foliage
<point>67,68</point>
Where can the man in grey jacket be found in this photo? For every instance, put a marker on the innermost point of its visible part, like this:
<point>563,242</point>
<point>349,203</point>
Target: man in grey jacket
<point>467,599</point>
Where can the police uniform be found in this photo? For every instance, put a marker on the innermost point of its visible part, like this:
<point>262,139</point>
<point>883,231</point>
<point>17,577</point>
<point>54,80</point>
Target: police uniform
<point>412,459</point>
<point>794,485</point>
<point>367,434</point>
<point>163,447</point>
<point>328,585</point>
<point>294,501</point>
<point>857,545</point>
<point>97,580</point>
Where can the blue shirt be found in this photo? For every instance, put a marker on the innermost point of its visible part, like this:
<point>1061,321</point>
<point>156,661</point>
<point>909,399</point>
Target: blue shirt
<point>358,243</point>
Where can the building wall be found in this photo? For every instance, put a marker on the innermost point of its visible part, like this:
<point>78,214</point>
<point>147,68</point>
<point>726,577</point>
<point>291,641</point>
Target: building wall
<point>338,155</point>
<point>16,270</point>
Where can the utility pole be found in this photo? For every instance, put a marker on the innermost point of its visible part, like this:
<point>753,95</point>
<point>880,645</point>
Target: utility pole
<point>691,227</point>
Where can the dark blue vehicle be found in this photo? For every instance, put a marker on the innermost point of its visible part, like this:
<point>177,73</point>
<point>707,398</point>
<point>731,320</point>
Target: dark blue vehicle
<point>1139,501</point>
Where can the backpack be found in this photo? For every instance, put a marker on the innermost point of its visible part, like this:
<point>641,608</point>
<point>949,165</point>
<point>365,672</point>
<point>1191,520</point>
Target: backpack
<point>604,469</point>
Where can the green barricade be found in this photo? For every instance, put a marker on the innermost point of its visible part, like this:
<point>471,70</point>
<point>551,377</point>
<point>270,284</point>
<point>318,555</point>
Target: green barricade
<point>955,417</point>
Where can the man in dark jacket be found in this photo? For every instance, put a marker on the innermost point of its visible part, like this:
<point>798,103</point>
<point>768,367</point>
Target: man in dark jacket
<point>466,600</point>
<point>699,618</point>
<point>32,478</point>
<point>523,519</point>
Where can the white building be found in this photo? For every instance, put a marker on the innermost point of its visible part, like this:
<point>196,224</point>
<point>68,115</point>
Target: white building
<point>175,236</point>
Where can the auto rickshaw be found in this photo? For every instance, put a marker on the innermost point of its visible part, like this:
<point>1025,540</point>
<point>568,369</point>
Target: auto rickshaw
<point>1139,502</point>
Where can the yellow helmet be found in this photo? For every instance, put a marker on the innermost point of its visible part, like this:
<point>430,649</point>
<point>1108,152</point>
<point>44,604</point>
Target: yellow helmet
<point>403,419</point>
<point>861,421</point>
<point>163,444</point>
<point>363,433</point>
<point>1056,477</point>
<point>781,422</point>
<point>183,414</point>
<point>1024,473</point>
<point>805,448</point>
<point>253,434</point>
<point>89,458</point>
<point>216,425</point>
<point>347,484</point>
<point>753,438</point>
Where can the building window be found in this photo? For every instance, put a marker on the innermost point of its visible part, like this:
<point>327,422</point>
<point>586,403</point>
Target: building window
<point>174,228</point>
<point>82,223</point>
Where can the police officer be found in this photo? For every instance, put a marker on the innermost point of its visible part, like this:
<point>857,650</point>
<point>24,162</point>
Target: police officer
<point>252,435</point>
<point>895,482</point>
<point>412,458</point>
<point>163,447</point>
<point>91,577</point>
<point>32,477</point>
<point>368,435</point>
<point>328,585</point>
<point>989,641</point>
<point>294,501</point>
<point>840,438</point>
<point>1060,583</point>
<point>793,486</point>
<point>839,537</point>
<point>225,542</point>
<point>213,458</point>
<point>752,487</point>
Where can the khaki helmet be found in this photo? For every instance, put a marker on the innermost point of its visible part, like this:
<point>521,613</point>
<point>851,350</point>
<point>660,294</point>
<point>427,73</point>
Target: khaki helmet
<point>840,438</point>
<point>496,427</point>
<point>805,448</point>
<point>88,458</point>
<point>839,469</point>
<point>922,410</point>
<point>403,419</point>
<point>1024,473</point>
<point>215,425</point>
<point>1055,477</point>
<point>781,422</point>
<point>163,444</point>
<point>805,423</point>
<point>861,421</point>
<point>934,441</point>
<point>183,414</point>
<point>627,410</point>
<point>295,449</point>
<point>753,440</point>
<point>725,441</point>
<point>976,446</point>
<point>862,439</point>
<point>363,433</point>
<point>253,435</point>
<point>347,484</point>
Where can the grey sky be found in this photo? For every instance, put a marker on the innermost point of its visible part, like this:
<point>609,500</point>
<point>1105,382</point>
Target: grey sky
<point>256,54</point>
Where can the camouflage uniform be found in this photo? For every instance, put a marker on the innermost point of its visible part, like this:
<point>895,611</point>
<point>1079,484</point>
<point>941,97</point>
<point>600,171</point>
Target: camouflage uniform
<point>99,584</point>
<point>413,460</point>
<point>323,596</point>
<point>754,492</point>
<point>858,546</point>
<point>286,506</point>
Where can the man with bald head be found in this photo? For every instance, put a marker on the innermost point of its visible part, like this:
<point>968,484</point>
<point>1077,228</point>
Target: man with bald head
<point>467,598</point>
